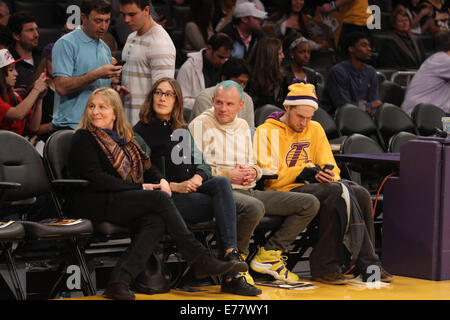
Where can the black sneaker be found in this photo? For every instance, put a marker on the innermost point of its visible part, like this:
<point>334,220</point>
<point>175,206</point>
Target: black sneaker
<point>239,286</point>
<point>235,257</point>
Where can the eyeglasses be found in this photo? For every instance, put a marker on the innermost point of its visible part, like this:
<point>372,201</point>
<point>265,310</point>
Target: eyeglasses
<point>168,94</point>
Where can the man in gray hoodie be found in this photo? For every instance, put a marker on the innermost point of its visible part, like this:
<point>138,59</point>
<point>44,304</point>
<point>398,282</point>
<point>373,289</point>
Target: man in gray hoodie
<point>431,83</point>
<point>202,69</point>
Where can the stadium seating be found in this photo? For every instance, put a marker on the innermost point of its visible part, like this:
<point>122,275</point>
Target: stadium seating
<point>390,120</point>
<point>351,119</point>
<point>399,139</point>
<point>427,118</point>
<point>21,163</point>
<point>391,92</point>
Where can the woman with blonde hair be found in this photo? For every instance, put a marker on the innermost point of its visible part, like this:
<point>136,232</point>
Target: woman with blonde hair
<point>125,190</point>
<point>197,195</point>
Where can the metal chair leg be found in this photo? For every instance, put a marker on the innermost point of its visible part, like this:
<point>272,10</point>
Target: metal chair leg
<point>20,294</point>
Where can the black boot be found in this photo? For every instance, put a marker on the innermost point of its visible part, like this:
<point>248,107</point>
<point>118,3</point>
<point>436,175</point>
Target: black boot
<point>118,291</point>
<point>238,285</point>
<point>206,265</point>
<point>235,257</point>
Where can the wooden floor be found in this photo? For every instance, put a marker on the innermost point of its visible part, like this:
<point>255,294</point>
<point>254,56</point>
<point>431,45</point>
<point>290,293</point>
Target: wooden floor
<point>401,289</point>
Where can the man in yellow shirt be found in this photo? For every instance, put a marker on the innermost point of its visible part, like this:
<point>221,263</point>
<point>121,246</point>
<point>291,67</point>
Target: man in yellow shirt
<point>294,147</point>
<point>353,14</point>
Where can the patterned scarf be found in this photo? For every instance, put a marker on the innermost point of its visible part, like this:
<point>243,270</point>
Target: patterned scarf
<point>126,157</point>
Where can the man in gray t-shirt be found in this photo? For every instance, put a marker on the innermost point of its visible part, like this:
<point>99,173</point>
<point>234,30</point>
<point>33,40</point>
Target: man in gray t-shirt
<point>431,83</point>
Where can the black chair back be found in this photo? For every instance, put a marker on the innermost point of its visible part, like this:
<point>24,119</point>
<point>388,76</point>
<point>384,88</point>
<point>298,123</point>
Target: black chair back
<point>390,120</point>
<point>327,123</point>
<point>350,119</point>
<point>399,139</point>
<point>263,112</point>
<point>391,92</point>
<point>56,153</point>
<point>358,143</point>
<point>427,118</point>
<point>20,162</point>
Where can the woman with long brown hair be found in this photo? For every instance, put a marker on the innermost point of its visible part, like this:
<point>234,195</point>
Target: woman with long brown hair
<point>265,81</point>
<point>197,195</point>
<point>124,189</point>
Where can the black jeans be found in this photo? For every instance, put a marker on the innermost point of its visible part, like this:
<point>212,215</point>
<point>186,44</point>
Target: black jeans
<point>149,213</point>
<point>326,255</point>
<point>214,198</point>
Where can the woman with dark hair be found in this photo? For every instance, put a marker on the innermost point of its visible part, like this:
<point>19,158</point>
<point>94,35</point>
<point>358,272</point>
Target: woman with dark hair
<point>299,55</point>
<point>265,81</point>
<point>197,195</point>
<point>124,189</point>
<point>198,27</point>
<point>291,18</point>
<point>18,115</point>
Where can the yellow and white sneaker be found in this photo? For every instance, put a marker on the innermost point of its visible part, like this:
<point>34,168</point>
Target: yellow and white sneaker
<point>273,263</point>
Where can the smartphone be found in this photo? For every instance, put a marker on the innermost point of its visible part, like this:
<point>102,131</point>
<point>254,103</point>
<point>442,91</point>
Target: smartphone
<point>120,63</point>
<point>328,166</point>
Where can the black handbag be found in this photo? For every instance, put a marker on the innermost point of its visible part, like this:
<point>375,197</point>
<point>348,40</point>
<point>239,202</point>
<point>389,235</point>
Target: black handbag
<point>154,279</point>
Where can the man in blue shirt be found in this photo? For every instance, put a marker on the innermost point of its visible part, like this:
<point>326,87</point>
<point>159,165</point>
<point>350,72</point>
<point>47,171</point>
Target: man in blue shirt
<point>82,62</point>
<point>353,81</point>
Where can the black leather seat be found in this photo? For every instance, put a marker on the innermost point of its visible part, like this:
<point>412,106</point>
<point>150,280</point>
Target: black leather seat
<point>21,163</point>
<point>390,119</point>
<point>350,119</point>
<point>399,139</point>
<point>427,118</point>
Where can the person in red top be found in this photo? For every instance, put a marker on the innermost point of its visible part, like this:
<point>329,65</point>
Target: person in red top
<point>19,115</point>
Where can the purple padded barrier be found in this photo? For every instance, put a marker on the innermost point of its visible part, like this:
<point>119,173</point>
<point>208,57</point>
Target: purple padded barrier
<point>416,215</point>
<point>445,221</point>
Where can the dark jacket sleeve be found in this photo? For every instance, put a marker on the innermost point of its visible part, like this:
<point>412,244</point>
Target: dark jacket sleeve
<point>88,161</point>
<point>152,175</point>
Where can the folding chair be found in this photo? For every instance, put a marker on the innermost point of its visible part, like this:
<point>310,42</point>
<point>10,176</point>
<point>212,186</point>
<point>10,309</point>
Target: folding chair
<point>10,235</point>
<point>427,118</point>
<point>390,120</point>
<point>350,119</point>
<point>399,139</point>
<point>21,163</point>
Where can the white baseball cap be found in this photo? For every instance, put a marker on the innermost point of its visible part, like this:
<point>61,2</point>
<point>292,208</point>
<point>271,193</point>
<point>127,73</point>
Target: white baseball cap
<point>6,58</point>
<point>248,9</point>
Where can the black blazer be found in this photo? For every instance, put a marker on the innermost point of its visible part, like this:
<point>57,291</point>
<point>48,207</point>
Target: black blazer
<point>88,161</point>
<point>396,54</point>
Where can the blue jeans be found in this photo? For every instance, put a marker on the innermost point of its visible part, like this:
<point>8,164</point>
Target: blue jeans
<point>214,198</point>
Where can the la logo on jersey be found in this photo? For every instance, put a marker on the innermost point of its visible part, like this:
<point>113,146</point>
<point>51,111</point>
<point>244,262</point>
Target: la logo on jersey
<point>297,152</point>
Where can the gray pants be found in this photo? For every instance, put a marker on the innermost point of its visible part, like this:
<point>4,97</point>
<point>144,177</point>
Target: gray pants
<point>251,205</point>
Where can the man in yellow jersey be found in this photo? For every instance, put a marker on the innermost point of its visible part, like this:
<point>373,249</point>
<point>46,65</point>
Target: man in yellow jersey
<point>294,147</point>
<point>354,15</point>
